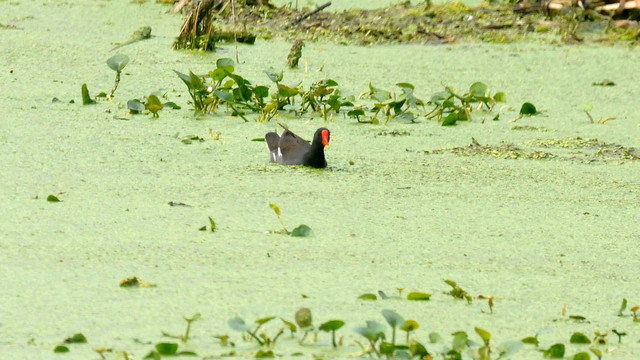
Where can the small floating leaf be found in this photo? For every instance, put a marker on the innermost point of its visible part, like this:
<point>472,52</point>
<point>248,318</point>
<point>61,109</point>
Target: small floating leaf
<point>418,296</point>
<point>213,224</point>
<point>410,325</point>
<point>61,349</point>
<point>264,320</point>
<point>238,324</point>
<point>556,351</point>
<point>478,89</point>
<point>332,325</point>
<point>581,356</point>
<point>291,326</point>
<point>393,318</point>
<point>579,338</point>
<point>509,348</point>
<point>154,105</point>
<point>416,348</point>
<point>118,62</point>
<point>484,334</point>
<point>76,339</point>
<point>500,97</point>
<point>172,105</point>
<point>274,75</point>
<point>167,348</point>
<point>135,106</point>
<point>302,231</point>
<point>386,348</point>
<point>52,198</point>
<point>435,338</point>
<point>528,109</point>
<point>368,296</point>
<point>264,354</point>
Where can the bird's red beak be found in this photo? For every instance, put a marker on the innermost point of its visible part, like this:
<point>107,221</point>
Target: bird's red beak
<point>325,138</point>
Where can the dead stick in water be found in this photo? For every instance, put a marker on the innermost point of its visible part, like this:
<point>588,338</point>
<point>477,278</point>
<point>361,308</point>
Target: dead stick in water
<point>317,10</point>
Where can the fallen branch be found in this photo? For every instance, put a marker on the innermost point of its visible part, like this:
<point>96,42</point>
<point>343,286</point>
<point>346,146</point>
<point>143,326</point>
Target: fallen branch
<point>317,10</point>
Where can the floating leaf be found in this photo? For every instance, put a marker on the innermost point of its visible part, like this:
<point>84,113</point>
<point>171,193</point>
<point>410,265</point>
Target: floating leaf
<point>418,296</point>
<point>450,119</point>
<point>460,339</point>
<point>484,334</point>
<point>581,356</point>
<point>556,351</point>
<point>579,338</point>
<point>373,331</point>
<point>264,320</point>
<point>332,325</point>
<point>238,324</point>
<point>478,89</point>
<point>135,106</point>
<point>417,349</point>
<point>585,107</point>
<point>154,105</point>
<point>387,348</point>
<point>264,354</point>
<point>393,318</point>
<point>167,348</point>
<point>509,348</point>
<point>406,85</point>
<point>291,326</point>
<point>172,105</point>
<point>222,62</point>
<point>500,97</point>
<point>212,224</point>
<point>303,317</point>
<point>368,296</point>
<point>531,340</point>
<point>528,109</point>
<point>53,198</point>
<point>118,62</point>
<point>61,349</point>
<point>76,339</point>
<point>596,352</point>
<point>274,75</point>
<point>435,338</point>
<point>302,231</point>
<point>410,325</point>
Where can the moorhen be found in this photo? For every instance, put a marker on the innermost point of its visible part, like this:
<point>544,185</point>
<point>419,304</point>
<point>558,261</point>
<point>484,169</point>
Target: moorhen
<point>291,149</point>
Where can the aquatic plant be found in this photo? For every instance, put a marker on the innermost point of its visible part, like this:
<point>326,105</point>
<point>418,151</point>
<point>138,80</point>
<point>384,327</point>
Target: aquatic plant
<point>117,63</point>
<point>86,98</point>
<point>332,326</point>
<point>457,292</point>
<point>300,230</point>
<point>450,107</point>
<point>238,324</point>
<point>185,337</point>
<point>392,106</point>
